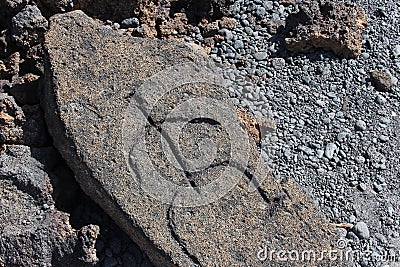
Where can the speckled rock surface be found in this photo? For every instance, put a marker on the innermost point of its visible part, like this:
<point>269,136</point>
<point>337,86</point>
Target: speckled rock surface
<point>12,119</point>
<point>32,231</point>
<point>328,25</point>
<point>92,73</point>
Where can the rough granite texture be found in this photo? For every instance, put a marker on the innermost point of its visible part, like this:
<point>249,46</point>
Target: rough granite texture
<point>92,73</point>
<point>327,25</point>
<point>32,231</point>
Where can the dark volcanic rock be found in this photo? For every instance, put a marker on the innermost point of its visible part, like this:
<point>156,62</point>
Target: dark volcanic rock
<point>32,231</point>
<point>9,67</point>
<point>5,39</point>
<point>327,25</point>
<point>105,9</point>
<point>24,125</point>
<point>50,7</point>
<point>28,27</point>
<point>123,151</point>
<point>35,130</point>
<point>12,119</point>
<point>8,8</point>
<point>25,89</point>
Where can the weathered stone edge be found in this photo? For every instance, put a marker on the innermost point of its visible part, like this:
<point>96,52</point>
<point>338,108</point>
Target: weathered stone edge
<point>91,187</point>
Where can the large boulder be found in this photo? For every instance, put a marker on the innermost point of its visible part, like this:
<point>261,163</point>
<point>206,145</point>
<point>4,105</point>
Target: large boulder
<point>152,137</point>
<point>32,231</point>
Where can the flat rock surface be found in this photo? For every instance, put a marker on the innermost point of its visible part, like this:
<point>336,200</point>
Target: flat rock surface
<point>139,151</point>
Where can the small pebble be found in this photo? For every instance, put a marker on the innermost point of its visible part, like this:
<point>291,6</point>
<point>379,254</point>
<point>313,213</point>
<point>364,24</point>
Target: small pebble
<point>260,56</point>
<point>361,125</point>
<point>384,138</point>
<point>130,23</point>
<point>380,100</point>
<point>362,187</point>
<point>361,230</point>
<point>360,159</point>
<point>396,51</point>
<point>238,44</point>
<point>330,150</point>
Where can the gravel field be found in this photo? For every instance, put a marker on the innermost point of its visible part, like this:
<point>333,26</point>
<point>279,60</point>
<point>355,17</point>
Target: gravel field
<point>337,133</point>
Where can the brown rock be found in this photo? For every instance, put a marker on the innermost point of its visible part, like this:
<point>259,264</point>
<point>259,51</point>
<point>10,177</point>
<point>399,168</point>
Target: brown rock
<point>219,38</point>
<point>227,23</point>
<point>10,66</point>
<point>178,23</point>
<point>382,81</point>
<point>160,19</point>
<point>251,124</point>
<point>327,25</point>
<point>123,146</point>
<point>12,119</point>
<point>210,29</point>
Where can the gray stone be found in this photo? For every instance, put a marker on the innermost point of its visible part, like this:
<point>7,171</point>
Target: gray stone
<point>330,150</point>
<point>260,55</point>
<point>381,100</point>
<point>130,23</point>
<point>360,159</point>
<point>361,125</point>
<point>91,74</point>
<point>269,5</point>
<point>353,237</point>
<point>384,138</point>
<point>30,234</point>
<point>238,44</point>
<point>362,187</point>
<point>341,137</point>
<point>28,26</point>
<point>227,34</point>
<point>396,51</point>
<point>361,230</point>
<point>260,12</point>
<point>278,63</point>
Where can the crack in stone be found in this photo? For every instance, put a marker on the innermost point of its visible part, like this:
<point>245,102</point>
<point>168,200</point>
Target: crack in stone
<point>275,202</point>
<point>176,237</point>
<point>174,149</point>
